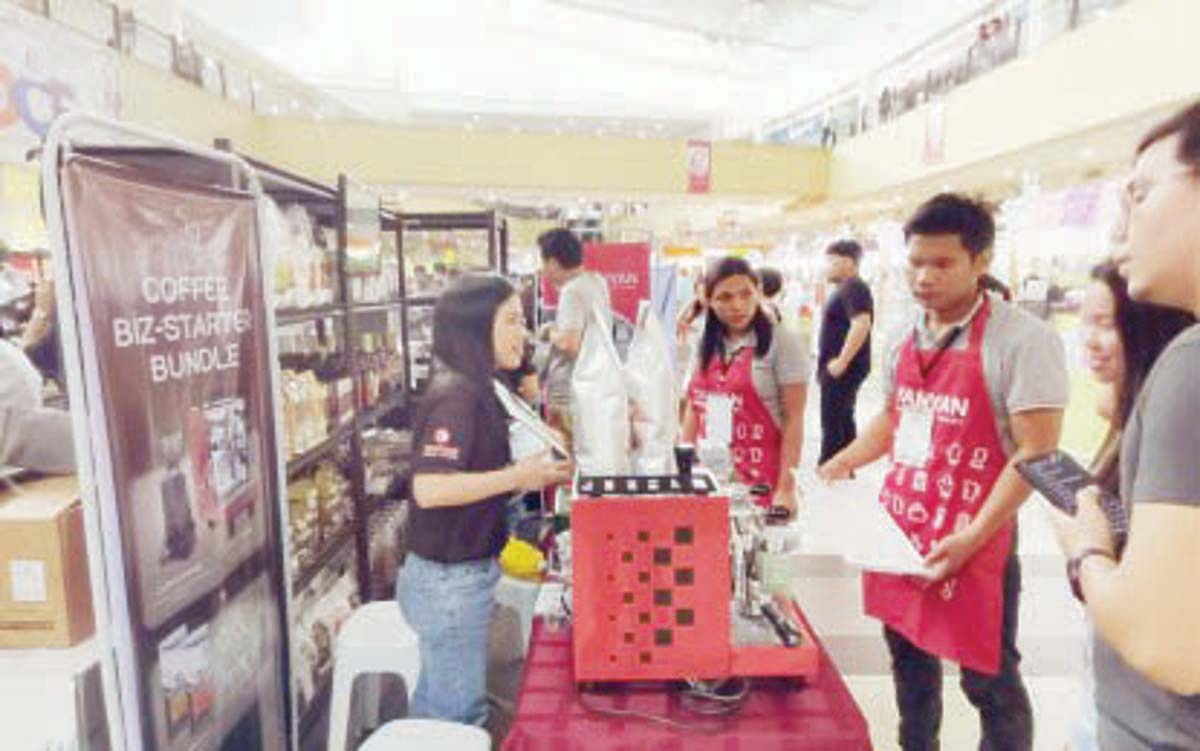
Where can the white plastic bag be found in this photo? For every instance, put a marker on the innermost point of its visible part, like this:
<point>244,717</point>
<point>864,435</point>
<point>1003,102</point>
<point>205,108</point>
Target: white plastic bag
<point>650,379</point>
<point>599,404</point>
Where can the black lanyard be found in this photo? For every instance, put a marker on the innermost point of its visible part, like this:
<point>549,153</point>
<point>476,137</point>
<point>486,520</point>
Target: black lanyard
<point>928,367</point>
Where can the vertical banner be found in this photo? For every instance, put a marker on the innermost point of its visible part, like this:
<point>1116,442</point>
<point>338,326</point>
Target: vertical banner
<point>699,166</point>
<point>626,269</point>
<point>44,72</point>
<point>173,325</point>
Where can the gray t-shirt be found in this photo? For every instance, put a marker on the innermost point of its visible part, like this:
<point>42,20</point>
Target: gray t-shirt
<point>1024,362</point>
<point>578,298</point>
<point>31,437</point>
<point>1158,465</point>
<point>785,364</point>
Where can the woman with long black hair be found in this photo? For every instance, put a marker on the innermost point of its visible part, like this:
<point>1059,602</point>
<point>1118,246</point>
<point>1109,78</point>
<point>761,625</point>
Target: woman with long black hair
<point>749,385</point>
<point>1122,339</point>
<point>463,475</point>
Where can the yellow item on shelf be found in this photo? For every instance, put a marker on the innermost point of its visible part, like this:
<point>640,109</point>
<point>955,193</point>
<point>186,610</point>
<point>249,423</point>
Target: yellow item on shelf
<point>521,560</point>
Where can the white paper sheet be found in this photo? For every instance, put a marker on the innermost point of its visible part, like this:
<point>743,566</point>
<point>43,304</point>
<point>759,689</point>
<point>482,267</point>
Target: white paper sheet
<point>847,518</point>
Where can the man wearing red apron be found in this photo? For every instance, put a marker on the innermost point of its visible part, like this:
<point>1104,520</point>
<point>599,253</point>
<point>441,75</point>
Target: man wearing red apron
<point>975,386</point>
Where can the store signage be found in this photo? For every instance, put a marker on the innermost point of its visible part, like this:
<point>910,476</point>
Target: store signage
<point>43,73</point>
<point>174,347</point>
<point>626,268</point>
<point>699,166</point>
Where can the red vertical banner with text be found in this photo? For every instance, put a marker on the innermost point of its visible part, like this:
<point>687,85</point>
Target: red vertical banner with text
<point>699,166</point>
<point>626,269</point>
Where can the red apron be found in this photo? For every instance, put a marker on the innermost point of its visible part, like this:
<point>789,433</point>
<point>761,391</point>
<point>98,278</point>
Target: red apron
<point>960,618</point>
<point>757,440</point>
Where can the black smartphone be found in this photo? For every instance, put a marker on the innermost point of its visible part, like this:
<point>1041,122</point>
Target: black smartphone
<point>1059,478</point>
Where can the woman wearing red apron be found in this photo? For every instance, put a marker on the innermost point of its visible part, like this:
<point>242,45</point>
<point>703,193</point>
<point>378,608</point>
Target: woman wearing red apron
<point>749,385</point>
<point>952,486</point>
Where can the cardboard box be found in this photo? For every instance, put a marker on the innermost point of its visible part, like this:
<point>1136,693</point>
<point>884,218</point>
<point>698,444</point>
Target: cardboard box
<point>45,592</point>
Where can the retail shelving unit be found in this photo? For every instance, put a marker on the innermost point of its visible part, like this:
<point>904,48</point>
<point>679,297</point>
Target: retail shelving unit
<point>339,318</point>
<point>434,247</point>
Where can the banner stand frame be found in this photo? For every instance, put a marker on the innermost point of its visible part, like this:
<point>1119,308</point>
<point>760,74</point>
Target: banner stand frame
<point>108,585</point>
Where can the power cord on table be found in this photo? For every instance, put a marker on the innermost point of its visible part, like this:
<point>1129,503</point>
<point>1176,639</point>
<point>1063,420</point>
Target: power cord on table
<point>703,698</point>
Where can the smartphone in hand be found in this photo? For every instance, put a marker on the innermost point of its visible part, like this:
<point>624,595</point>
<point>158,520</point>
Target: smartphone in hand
<point>1059,478</point>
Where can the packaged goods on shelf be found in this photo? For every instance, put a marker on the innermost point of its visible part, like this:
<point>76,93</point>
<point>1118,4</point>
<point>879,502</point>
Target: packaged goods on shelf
<point>322,609</point>
<point>386,550</point>
<point>313,409</point>
<point>319,510</point>
<point>386,453</point>
<point>304,256</point>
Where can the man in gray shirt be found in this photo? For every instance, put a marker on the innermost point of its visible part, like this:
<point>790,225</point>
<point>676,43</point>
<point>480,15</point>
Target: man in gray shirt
<point>581,293</point>
<point>1144,600</point>
<point>31,436</point>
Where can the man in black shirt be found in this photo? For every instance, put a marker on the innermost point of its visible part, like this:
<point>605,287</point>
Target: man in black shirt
<point>844,359</point>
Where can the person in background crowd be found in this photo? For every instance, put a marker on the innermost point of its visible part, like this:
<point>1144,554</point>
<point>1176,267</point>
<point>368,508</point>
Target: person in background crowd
<point>1144,605</point>
<point>581,293</point>
<point>40,339</point>
<point>31,436</point>
<point>462,477</point>
<point>973,387</point>
<point>689,329</point>
<point>772,286</point>
<point>989,283</point>
<point>844,347</point>
<point>751,373</point>
<point>1122,339</point>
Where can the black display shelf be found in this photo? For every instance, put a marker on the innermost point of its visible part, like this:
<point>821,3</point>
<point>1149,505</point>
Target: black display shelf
<point>319,702</point>
<point>418,301</point>
<point>318,453</point>
<point>292,316</point>
<point>326,555</point>
<point>375,307</point>
<point>394,400</point>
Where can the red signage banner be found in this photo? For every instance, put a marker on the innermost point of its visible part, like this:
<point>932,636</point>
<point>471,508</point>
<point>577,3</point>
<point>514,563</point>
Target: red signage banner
<point>699,166</point>
<point>626,268</point>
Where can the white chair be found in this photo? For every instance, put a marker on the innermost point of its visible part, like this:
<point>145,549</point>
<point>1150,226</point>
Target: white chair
<point>376,639</point>
<point>521,595</point>
<point>427,735</point>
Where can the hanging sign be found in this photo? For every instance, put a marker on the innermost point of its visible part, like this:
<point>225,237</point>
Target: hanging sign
<point>699,166</point>
<point>174,348</point>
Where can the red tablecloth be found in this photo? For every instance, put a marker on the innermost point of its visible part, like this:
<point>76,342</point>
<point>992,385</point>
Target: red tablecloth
<point>777,716</point>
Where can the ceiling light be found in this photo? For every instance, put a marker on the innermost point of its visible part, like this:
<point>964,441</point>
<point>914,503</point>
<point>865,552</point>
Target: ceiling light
<point>641,134</point>
<point>1009,173</point>
<point>599,131</point>
<point>1087,153</point>
<point>475,118</point>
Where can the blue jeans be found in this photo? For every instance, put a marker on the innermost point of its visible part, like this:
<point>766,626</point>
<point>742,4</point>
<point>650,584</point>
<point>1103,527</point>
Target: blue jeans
<point>449,605</point>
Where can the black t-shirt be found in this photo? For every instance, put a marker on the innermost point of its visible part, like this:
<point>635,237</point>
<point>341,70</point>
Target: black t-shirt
<point>851,298</point>
<point>459,427</point>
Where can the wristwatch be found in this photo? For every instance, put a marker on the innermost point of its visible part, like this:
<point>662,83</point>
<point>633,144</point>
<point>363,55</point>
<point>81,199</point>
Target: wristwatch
<point>1073,569</point>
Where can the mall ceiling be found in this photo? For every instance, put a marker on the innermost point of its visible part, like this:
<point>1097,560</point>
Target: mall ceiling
<point>663,69</point>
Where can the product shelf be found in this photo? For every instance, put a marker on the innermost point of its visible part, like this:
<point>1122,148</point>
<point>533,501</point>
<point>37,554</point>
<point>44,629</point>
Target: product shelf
<point>292,316</point>
<point>327,553</point>
<point>321,451</point>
